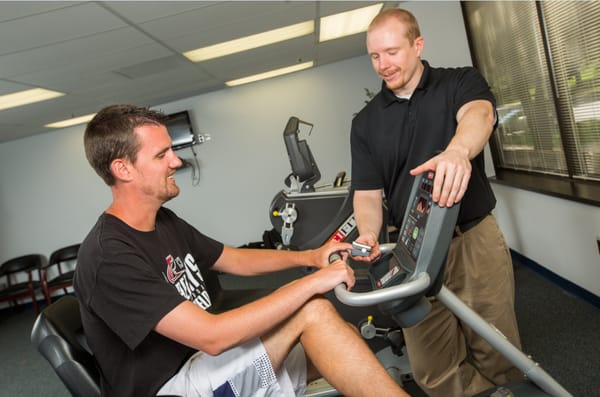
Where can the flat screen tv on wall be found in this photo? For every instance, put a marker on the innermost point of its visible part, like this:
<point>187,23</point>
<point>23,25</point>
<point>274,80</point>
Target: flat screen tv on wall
<point>180,129</point>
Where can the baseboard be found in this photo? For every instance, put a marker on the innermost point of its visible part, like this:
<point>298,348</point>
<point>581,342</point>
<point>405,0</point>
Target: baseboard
<point>563,283</point>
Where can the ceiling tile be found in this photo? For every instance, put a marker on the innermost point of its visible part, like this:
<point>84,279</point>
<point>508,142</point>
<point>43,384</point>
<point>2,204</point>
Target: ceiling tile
<point>55,26</point>
<point>101,53</point>
<point>121,46</point>
<point>143,11</point>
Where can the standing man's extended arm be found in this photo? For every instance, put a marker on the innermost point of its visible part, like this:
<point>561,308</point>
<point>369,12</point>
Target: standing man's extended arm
<point>369,219</point>
<point>453,167</point>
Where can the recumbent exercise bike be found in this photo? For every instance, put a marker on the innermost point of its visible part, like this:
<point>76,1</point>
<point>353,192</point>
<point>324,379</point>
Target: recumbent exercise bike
<point>412,270</point>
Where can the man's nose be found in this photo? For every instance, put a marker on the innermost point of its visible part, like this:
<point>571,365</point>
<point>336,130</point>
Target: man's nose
<point>383,63</point>
<point>176,162</point>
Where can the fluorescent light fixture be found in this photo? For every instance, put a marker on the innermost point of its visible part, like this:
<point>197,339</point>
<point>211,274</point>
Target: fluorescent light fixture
<point>71,121</point>
<point>272,73</point>
<point>347,23</point>
<point>250,42</point>
<point>26,97</point>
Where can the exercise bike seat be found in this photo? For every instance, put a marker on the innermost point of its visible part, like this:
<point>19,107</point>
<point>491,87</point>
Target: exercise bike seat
<point>304,215</point>
<point>304,167</point>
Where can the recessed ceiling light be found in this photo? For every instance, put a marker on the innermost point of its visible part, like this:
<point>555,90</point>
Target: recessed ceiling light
<point>250,42</point>
<point>272,73</point>
<point>71,121</point>
<point>347,23</point>
<point>27,97</point>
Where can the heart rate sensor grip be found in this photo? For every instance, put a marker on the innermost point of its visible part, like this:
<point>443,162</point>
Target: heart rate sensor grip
<point>359,249</point>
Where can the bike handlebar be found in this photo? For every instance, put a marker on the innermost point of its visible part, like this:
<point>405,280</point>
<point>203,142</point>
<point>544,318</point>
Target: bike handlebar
<point>413,287</point>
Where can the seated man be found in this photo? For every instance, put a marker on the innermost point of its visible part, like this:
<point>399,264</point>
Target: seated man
<point>144,300</point>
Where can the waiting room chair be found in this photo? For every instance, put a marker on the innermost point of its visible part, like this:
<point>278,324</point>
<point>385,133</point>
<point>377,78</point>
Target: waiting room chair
<point>20,283</point>
<point>58,272</point>
<point>58,335</point>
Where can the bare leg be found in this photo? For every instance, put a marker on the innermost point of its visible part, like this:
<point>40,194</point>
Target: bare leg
<point>334,348</point>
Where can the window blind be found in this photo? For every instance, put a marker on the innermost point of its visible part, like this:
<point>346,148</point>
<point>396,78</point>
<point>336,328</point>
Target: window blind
<point>542,61</point>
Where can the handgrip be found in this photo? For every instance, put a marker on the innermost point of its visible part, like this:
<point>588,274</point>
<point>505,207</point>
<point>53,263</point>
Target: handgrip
<point>384,248</point>
<point>413,287</point>
<point>336,256</point>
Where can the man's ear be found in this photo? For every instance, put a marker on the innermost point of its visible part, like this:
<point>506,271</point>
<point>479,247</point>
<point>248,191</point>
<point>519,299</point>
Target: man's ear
<point>121,169</point>
<point>419,45</point>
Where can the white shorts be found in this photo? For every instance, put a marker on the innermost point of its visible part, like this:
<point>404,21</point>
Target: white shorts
<point>244,371</point>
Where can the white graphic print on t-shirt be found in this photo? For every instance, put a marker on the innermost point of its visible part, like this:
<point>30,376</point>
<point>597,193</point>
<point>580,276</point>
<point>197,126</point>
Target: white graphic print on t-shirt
<point>186,277</point>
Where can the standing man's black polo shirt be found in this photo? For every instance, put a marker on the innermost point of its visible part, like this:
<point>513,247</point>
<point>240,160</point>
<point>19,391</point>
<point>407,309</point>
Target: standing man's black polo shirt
<point>390,136</point>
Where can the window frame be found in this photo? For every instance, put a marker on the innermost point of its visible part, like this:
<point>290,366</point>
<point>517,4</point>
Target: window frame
<point>566,187</point>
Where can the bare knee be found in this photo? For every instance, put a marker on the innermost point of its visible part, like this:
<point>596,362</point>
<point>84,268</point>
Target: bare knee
<point>317,310</point>
<point>310,317</point>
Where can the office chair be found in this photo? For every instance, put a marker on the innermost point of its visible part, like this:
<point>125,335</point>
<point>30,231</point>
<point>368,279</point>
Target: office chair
<point>58,335</point>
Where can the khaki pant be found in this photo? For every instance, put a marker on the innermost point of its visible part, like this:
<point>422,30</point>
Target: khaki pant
<point>447,358</point>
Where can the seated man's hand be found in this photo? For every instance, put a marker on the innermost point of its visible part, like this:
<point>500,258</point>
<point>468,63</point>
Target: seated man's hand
<point>333,275</point>
<point>322,254</point>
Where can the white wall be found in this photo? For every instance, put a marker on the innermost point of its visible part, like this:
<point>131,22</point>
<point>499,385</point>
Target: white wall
<point>50,197</point>
<point>245,162</point>
<point>558,234</point>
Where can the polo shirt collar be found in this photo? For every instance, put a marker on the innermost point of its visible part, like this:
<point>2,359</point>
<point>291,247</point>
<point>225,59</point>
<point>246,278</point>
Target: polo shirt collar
<point>388,95</point>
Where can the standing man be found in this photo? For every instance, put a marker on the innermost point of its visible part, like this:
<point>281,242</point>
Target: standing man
<point>434,119</point>
<point>143,297</point>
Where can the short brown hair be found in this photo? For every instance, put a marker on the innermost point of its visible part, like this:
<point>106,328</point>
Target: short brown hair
<point>110,135</point>
<point>403,16</point>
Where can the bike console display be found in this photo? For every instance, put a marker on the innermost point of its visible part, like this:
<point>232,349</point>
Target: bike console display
<point>416,221</point>
<point>424,237</point>
<point>403,280</point>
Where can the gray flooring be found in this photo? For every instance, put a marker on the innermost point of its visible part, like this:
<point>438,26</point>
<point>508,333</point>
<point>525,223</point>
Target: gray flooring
<point>558,330</point>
